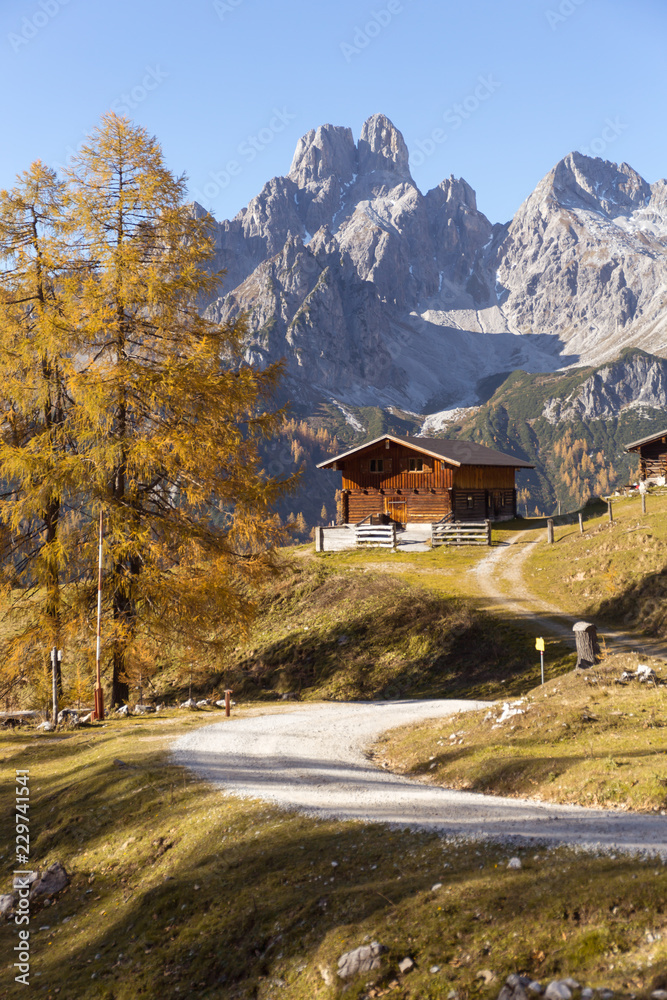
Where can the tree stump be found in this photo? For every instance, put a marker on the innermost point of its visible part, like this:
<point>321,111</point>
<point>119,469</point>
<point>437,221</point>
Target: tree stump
<point>588,649</point>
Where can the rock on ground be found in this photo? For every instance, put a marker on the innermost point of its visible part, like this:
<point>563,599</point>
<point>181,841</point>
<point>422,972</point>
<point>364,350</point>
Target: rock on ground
<point>362,959</point>
<point>50,882</point>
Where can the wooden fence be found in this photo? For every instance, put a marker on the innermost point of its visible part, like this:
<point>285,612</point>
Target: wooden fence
<point>376,534</point>
<point>461,533</point>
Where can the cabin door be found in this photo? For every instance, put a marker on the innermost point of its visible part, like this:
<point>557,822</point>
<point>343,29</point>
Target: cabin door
<point>396,509</point>
<point>494,504</point>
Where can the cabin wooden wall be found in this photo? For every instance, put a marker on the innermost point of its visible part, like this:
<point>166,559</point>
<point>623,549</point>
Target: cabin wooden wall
<point>423,496</point>
<point>484,477</point>
<point>426,506</point>
<point>653,458</point>
<point>357,475</point>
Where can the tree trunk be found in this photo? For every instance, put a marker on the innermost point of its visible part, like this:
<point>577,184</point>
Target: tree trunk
<point>588,649</point>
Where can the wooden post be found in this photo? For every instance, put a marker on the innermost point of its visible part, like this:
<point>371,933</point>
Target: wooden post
<point>610,512</point>
<point>228,703</point>
<point>643,503</point>
<point>581,522</point>
<point>550,530</point>
<point>488,532</point>
<point>54,678</point>
<point>559,508</point>
<point>393,536</point>
<point>98,711</point>
<point>319,539</point>
<point>588,649</point>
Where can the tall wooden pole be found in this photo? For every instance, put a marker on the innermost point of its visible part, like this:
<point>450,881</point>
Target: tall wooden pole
<point>99,697</point>
<point>54,677</point>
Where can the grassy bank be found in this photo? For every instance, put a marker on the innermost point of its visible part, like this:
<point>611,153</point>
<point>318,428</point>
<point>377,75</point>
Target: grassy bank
<point>615,573</point>
<point>178,891</point>
<point>582,738</point>
<point>371,625</point>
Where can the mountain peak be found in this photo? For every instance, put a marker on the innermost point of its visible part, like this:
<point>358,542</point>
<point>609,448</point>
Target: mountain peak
<point>591,182</point>
<point>382,147</point>
<point>324,152</point>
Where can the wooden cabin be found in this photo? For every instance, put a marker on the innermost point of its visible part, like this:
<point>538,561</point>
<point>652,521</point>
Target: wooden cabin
<point>423,479</point>
<point>652,457</point>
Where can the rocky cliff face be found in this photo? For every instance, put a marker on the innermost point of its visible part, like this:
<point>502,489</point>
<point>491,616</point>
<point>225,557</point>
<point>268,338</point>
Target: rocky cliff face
<point>635,382</point>
<point>377,294</point>
<point>585,257</point>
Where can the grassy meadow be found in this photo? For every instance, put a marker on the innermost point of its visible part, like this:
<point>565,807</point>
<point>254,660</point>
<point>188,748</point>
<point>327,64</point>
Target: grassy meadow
<point>179,891</point>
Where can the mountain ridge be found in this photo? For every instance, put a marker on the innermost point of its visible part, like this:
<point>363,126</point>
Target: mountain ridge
<point>377,294</point>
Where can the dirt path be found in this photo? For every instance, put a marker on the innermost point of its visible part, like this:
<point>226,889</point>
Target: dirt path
<point>499,577</point>
<point>314,759</point>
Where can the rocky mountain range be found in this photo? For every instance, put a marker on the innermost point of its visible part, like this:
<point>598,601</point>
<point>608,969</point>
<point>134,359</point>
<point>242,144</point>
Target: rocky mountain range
<point>379,295</point>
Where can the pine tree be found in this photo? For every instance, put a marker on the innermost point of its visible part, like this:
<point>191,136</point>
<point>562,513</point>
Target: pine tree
<point>323,514</point>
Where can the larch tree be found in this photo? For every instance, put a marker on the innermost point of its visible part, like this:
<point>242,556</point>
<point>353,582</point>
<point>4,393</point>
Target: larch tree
<point>166,411</point>
<point>34,446</point>
<point>164,417</point>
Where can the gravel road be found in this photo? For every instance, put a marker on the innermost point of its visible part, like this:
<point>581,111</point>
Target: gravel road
<point>499,576</point>
<point>313,759</point>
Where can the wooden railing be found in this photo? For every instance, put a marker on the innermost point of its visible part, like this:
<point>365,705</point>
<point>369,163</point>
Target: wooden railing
<point>376,534</point>
<point>460,533</point>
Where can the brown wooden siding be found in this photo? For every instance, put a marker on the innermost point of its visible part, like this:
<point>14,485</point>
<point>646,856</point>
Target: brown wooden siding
<point>423,496</point>
<point>653,458</point>
<point>437,473</point>
<point>470,505</point>
<point>404,506</point>
<point>484,477</point>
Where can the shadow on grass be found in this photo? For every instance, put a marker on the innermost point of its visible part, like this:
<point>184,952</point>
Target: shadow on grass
<point>373,637</point>
<point>641,604</point>
<point>243,892</point>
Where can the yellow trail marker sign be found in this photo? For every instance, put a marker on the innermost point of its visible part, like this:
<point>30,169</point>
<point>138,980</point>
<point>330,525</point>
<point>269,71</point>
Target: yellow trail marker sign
<point>539,644</point>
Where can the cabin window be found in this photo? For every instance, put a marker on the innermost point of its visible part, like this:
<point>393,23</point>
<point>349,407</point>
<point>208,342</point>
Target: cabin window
<point>469,502</point>
<point>416,465</point>
<point>377,465</point>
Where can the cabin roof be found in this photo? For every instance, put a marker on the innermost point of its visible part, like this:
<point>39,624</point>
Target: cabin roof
<point>455,452</point>
<point>646,440</point>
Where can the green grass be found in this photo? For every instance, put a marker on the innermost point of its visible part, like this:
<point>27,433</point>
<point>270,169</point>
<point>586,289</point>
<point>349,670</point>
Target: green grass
<point>179,891</point>
<point>371,625</point>
<point>582,738</point>
<point>615,573</point>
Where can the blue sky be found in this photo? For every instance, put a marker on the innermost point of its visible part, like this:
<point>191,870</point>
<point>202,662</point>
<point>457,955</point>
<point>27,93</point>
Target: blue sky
<point>496,92</point>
